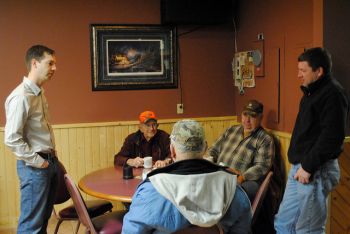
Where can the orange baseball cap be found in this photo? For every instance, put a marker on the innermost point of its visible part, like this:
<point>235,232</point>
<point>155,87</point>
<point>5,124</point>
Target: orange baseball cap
<point>146,116</point>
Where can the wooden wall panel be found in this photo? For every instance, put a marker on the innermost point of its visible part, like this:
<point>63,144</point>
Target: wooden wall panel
<point>284,139</point>
<point>340,198</point>
<point>9,192</point>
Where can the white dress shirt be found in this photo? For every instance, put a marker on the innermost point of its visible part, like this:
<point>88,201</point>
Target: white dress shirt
<point>27,128</point>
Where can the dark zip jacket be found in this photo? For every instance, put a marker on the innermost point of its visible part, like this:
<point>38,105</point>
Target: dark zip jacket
<point>320,126</point>
<point>135,145</point>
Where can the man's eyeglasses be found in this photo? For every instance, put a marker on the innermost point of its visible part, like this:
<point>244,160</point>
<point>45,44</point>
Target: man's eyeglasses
<point>152,125</point>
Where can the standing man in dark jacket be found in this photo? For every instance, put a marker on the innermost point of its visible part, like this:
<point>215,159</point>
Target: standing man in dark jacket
<point>316,144</point>
<point>147,141</point>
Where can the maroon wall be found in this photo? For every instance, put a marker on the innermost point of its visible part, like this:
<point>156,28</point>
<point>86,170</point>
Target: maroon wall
<point>205,63</point>
<point>205,59</point>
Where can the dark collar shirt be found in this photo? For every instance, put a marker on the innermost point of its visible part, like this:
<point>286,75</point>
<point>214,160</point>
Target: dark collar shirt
<point>136,145</point>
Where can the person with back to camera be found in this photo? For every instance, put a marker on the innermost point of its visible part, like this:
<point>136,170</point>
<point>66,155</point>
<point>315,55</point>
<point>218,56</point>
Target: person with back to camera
<point>147,141</point>
<point>246,148</point>
<point>316,143</point>
<point>191,191</point>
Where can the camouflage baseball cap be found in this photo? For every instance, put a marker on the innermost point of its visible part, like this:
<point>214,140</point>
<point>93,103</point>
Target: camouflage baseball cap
<point>189,134</point>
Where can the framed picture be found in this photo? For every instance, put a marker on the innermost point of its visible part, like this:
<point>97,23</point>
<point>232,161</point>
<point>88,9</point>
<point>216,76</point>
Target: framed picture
<point>125,57</point>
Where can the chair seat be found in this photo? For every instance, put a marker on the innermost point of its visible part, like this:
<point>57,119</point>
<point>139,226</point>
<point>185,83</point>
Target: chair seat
<point>110,222</point>
<point>94,208</point>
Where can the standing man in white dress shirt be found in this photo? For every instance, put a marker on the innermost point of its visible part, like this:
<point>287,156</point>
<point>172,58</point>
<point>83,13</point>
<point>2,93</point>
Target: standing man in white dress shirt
<point>29,136</point>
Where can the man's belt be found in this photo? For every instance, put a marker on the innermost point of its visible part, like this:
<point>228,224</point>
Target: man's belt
<point>47,155</point>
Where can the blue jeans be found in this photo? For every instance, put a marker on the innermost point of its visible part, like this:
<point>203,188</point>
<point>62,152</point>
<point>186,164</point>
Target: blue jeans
<point>38,189</point>
<point>304,206</point>
<point>251,187</point>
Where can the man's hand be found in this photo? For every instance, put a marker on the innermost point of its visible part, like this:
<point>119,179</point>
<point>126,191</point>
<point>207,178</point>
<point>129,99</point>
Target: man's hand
<point>45,164</point>
<point>135,162</point>
<point>162,163</point>
<point>234,171</point>
<point>302,176</point>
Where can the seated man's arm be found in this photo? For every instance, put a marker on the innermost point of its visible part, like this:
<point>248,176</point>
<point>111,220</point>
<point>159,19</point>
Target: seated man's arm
<point>127,152</point>
<point>262,161</point>
<point>164,146</point>
<point>215,150</point>
<point>150,212</point>
<point>136,220</point>
<point>163,163</point>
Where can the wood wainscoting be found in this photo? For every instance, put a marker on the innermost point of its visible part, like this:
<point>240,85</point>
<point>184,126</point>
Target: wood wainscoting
<point>339,220</point>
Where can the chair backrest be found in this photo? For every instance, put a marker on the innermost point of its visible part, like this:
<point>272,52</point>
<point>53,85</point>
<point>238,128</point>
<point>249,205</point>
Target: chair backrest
<point>62,194</point>
<point>79,204</point>
<point>260,195</point>
<point>202,230</point>
<point>278,180</point>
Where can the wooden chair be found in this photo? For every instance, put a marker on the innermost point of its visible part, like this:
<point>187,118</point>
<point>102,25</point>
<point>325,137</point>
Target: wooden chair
<point>107,223</point>
<point>260,195</point>
<point>264,222</point>
<point>94,208</point>
<point>202,230</point>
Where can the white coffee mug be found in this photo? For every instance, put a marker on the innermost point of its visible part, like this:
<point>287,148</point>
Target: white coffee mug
<point>147,162</point>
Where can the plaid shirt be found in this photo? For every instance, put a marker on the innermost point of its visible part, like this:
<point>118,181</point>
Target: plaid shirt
<point>250,156</point>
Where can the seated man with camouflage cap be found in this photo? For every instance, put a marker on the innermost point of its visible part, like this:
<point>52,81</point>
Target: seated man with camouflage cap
<point>246,148</point>
<point>191,191</point>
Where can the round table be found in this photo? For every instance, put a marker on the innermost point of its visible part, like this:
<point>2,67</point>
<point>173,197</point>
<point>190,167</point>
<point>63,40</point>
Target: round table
<point>108,184</point>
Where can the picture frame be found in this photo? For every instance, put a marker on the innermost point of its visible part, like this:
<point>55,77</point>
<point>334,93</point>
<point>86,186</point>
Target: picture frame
<point>127,57</point>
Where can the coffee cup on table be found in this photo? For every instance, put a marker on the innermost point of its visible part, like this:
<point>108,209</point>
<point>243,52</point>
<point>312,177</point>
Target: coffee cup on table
<point>147,162</point>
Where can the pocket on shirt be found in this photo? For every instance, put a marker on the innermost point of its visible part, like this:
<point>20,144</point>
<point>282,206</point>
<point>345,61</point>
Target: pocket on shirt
<point>248,154</point>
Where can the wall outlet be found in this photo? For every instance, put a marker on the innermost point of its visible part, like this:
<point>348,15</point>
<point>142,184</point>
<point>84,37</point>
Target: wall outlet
<point>180,108</point>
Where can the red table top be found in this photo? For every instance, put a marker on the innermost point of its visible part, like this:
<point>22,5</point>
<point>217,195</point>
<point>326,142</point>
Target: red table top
<point>108,184</point>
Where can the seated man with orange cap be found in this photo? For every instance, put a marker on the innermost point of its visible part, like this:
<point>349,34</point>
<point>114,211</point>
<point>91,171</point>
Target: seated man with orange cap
<point>147,141</point>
